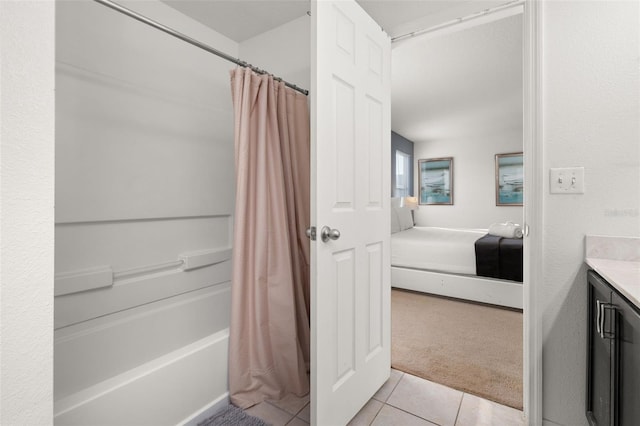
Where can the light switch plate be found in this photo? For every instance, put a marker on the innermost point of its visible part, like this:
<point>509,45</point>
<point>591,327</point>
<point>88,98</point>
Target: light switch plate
<point>567,180</point>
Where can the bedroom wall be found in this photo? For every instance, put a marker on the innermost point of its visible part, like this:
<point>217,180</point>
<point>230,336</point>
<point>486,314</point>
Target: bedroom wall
<point>473,179</point>
<point>144,177</point>
<point>26,211</point>
<point>477,114</point>
<point>591,105</point>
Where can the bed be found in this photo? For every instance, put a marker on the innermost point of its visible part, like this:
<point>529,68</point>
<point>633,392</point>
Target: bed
<point>442,261</point>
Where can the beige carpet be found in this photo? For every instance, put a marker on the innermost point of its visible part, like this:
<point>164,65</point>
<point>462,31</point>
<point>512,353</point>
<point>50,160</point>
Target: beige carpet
<point>466,346</point>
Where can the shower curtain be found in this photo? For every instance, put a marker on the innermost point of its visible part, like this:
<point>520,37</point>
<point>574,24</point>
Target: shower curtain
<point>269,332</point>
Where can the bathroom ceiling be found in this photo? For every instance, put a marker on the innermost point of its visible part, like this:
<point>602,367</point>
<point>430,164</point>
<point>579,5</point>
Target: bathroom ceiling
<point>242,19</point>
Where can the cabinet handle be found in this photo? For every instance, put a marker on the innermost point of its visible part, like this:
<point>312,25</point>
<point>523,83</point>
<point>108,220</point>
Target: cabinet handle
<point>601,320</point>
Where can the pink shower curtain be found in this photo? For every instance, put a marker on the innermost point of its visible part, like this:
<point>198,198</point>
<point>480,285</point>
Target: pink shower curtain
<point>269,333</point>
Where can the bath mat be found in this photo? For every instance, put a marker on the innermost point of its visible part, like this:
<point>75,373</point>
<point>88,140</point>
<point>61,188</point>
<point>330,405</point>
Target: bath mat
<point>232,416</point>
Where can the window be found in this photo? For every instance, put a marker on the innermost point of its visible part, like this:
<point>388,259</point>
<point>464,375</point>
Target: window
<point>403,175</point>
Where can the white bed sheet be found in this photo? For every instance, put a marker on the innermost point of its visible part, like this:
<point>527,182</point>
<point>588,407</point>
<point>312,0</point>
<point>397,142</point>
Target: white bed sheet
<point>449,250</point>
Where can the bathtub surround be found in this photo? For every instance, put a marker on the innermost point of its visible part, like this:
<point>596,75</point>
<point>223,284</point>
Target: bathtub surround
<point>144,154</point>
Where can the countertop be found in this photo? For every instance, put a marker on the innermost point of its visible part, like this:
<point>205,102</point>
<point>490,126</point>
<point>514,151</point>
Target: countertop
<point>617,260</point>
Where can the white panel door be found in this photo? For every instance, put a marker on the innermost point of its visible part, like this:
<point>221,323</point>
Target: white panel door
<point>350,133</point>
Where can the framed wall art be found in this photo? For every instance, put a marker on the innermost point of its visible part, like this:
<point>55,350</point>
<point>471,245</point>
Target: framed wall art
<point>436,181</point>
<point>509,179</point>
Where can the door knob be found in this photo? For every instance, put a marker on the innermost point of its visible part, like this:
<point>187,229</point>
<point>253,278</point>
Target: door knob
<point>329,234</point>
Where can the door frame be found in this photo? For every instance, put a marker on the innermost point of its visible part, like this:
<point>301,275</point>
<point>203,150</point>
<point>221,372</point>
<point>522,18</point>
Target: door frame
<point>533,211</point>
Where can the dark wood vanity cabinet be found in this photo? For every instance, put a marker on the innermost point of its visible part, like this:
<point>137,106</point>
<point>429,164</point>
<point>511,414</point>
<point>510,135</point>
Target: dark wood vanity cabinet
<point>613,357</point>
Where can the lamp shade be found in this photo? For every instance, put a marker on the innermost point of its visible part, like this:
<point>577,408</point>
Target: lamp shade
<point>410,202</point>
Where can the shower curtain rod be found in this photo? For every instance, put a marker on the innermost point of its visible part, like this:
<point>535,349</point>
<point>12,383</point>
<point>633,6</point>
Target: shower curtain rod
<point>457,21</point>
<point>192,41</point>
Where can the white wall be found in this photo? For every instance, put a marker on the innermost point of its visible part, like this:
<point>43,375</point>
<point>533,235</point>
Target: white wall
<point>474,194</point>
<point>26,212</point>
<point>144,175</point>
<point>458,93</point>
<point>591,89</point>
<point>283,51</point>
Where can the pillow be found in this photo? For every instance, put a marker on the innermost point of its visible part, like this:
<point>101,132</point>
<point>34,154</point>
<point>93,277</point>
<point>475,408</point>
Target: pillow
<point>395,224</point>
<point>404,218</point>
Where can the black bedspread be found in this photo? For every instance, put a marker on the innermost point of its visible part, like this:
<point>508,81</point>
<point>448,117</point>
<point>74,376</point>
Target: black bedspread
<point>499,257</point>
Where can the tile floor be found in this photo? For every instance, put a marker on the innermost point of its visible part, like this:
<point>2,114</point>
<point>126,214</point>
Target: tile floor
<point>404,400</point>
